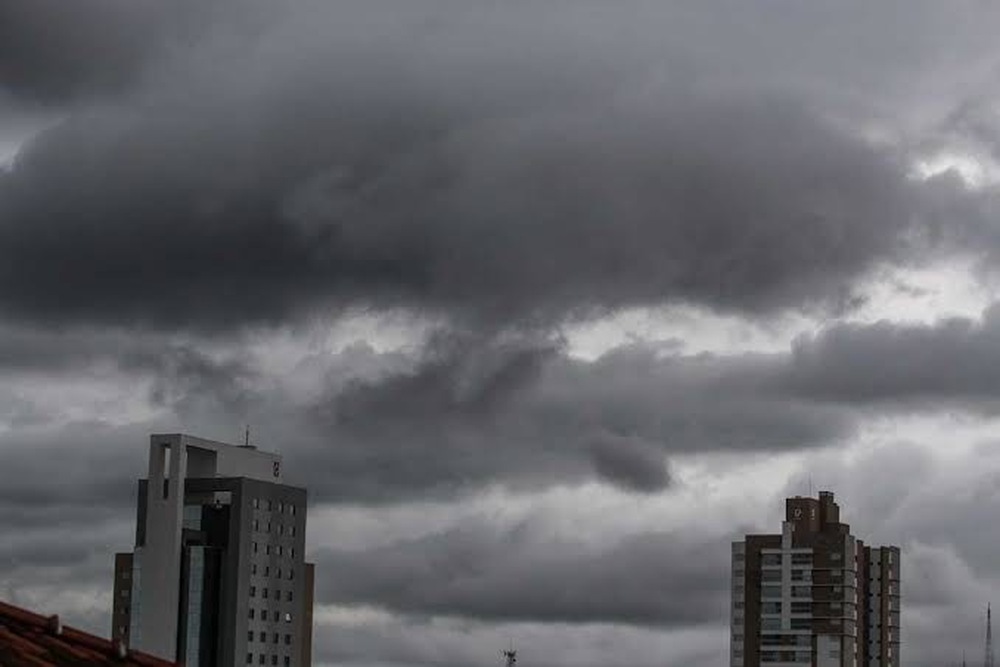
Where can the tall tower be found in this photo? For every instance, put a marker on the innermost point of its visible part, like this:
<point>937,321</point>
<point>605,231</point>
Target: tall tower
<point>988,657</point>
<point>217,577</point>
<point>814,594</point>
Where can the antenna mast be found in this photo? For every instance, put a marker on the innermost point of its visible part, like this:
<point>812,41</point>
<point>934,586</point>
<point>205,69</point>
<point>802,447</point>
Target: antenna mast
<point>988,658</point>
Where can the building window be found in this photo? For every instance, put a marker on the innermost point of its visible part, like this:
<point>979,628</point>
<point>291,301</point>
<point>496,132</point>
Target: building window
<point>278,575</point>
<point>253,592</point>
<point>288,661</point>
<point>292,509</point>
<point>253,568</point>
<point>267,549</point>
<point>255,547</point>
<point>256,503</point>
<point>288,640</point>
<point>288,617</point>
<point>291,574</point>
<point>263,614</point>
<point>276,635</point>
<point>291,551</point>
<point>289,596</point>
<point>281,529</point>
<point>251,612</point>
<point>281,506</point>
<point>265,593</point>
<point>261,659</point>
<point>269,526</point>
<point>268,505</point>
<point>249,658</point>
<point>256,524</point>
<point>291,531</point>
<point>274,660</point>
<point>263,636</point>
<point>279,549</point>
<point>835,556</point>
<point>267,570</point>
<point>249,635</point>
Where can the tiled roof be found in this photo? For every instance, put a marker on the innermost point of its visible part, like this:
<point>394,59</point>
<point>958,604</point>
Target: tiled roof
<point>31,640</point>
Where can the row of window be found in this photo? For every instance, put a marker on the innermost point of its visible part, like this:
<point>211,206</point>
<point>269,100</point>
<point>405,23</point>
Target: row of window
<point>776,607</point>
<point>785,656</point>
<point>267,527</point>
<point>270,505</point>
<point>287,661</point>
<point>267,571</point>
<point>263,637</point>
<point>275,615</point>
<point>279,549</point>
<point>797,558</point>
<point>276,592</point>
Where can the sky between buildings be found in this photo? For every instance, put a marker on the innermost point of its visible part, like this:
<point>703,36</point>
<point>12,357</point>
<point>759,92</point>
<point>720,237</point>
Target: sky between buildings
<point>545,301</point>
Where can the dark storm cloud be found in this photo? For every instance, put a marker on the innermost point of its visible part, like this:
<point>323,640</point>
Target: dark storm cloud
<point>524,574</point>
<point>52,51</point>
<point>263,182</point>
<point>630,463</point>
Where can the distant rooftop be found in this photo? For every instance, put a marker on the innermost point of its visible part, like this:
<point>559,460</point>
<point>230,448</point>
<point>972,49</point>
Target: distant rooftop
<point>31,640</point>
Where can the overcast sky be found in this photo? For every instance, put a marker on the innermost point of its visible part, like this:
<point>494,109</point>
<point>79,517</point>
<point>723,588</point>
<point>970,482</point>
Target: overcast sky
<point>545,301</point>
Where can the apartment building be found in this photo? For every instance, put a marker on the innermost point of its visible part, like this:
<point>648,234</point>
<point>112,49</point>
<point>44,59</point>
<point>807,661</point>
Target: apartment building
<point>814,594</point>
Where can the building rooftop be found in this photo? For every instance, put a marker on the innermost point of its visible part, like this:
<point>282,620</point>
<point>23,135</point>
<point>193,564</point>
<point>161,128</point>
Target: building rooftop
<point>32,640</point>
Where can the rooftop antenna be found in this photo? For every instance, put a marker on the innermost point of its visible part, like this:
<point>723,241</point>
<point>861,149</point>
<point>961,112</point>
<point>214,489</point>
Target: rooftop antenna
<point>988,658</point>
<point>810,486</point>
<point>510,656</point>
<point>246,437</point>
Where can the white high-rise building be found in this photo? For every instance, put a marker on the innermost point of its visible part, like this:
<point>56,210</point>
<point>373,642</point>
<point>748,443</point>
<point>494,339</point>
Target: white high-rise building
<point>218,576</point>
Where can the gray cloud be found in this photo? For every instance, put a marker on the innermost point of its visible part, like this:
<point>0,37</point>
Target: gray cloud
<point>953,361</point>
<point>521,574</point>
<point>55,52</point>
<point>531,416</point>
<point>443,420</point>
<point>631,463</point>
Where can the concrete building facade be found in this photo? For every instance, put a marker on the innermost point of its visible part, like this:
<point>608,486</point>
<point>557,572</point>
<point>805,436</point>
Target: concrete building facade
<point>218,576</point>
<point>814,594</point>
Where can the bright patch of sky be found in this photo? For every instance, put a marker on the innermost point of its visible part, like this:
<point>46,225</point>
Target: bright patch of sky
<point>18,125</point>
<point>975,171</point>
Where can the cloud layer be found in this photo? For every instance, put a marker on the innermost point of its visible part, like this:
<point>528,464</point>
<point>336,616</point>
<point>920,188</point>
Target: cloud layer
<point>219,185</point>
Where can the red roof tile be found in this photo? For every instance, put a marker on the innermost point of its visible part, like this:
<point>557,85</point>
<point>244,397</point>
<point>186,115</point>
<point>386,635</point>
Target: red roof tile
<point>30,640</point>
